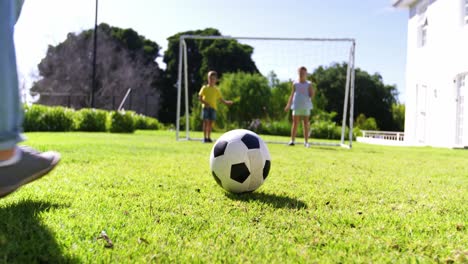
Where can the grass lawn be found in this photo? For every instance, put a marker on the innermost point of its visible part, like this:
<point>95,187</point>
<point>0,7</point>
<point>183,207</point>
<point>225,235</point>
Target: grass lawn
<point>157,201</point>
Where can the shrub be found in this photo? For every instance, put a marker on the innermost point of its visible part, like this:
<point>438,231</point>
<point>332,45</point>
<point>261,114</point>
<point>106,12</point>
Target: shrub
<point>279,128</point>
<point>196,122</point>
<point>121,122</point>
<point>59,119</point>
<point>365,123</point>
<point>42,118</point>
<point>325,130</point>
<point>146,123</point>
<point>91,120</point>
<point>34,118</point>
<point>153,124</point>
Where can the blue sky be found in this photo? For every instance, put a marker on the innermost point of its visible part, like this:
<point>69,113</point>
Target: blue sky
<point>380,30</point>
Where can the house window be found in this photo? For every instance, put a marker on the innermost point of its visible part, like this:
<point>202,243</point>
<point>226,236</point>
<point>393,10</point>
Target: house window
<point>422,34</point>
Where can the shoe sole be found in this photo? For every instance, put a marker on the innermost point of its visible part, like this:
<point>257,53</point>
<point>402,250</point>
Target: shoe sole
<point>36,176</point>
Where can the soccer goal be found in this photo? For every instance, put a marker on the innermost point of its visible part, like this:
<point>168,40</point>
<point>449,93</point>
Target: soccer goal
<point>282,56</point>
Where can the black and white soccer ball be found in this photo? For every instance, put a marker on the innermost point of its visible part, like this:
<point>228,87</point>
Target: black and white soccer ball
<point>240,161</point>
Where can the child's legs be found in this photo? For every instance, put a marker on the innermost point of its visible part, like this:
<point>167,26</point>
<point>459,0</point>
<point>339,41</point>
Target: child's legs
<point>208,116</point>
<point>294,127</point>
<point>210,127</point>
<point>205,125</point>
<point>10,107</point>
<point>204,116</point>
<point>306,127</point>
<point>211,120</point>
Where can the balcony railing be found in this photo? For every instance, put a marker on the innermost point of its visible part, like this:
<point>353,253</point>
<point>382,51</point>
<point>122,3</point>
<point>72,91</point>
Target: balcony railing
<point>385,135</point>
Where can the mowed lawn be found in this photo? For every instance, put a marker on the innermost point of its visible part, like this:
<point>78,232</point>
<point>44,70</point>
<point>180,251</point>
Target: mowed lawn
<point>156,200</point>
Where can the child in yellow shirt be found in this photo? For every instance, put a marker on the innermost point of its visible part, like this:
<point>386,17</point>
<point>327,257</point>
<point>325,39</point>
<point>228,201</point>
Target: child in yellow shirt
<point>209,95</point>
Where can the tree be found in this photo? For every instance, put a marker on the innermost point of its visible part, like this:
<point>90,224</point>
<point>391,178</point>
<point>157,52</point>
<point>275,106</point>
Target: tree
<point>398,113</point>
<point>372,97</point>
<point>249,92</point>
<point>280,92</point>
<point>365,123</point>
<point>221,55</point>
<point>125,60</point>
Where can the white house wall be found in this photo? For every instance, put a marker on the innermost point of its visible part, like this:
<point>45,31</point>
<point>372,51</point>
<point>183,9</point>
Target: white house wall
<point>435,66</point>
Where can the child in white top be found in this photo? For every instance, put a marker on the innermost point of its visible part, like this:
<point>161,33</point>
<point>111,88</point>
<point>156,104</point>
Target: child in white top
<point>300,101</point>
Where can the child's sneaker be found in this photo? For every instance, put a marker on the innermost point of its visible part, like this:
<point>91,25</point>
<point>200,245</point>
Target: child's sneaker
<point>31,166</point>
<point>307,145</point>
<point>209,140</point>
<point>291,143</point>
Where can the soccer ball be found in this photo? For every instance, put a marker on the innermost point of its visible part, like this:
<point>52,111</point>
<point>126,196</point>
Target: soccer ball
<point>240,161</point>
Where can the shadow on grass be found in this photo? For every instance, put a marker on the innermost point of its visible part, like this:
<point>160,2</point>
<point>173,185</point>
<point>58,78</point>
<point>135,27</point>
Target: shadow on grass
<point>274,200</point>
<point>326,148</point>
<point>24,239</point>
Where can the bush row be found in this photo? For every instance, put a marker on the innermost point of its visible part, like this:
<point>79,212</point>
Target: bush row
<point>318,129</point>
<point>44,118</point>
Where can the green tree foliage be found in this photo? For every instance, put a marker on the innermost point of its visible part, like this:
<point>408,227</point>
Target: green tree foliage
<point>222,56</point>
<point>398,112</point>
<point>249,92</point>
<point>131,40</point>
<point>280,92</point>
<point>279,98</point>
<point>364,123</point>
<point>372,96</point>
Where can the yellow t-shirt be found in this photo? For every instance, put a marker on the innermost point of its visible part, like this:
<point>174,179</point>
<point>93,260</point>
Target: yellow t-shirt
<point>211,95</point>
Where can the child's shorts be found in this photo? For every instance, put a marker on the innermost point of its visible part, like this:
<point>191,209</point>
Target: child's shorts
<point>208,113</point>
<point>301,112</point>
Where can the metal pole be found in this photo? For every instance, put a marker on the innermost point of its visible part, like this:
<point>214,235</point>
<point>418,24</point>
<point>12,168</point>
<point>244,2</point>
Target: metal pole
<point>124,99</point>
<point>345,104</point>
<point>179,88</point>
<point>187,119</point>
<point>93,84</point>
<point>351,109</point>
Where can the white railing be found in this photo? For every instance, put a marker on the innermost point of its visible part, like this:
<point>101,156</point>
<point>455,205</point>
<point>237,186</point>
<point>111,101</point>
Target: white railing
<point>385,135</point>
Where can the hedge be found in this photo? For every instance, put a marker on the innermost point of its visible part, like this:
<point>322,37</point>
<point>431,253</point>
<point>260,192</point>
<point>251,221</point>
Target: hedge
<point>42,118</point>
<point>61,119</point>
<point>91,120</point>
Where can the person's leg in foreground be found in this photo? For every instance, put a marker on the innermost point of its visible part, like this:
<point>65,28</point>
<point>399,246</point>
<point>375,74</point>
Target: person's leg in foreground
<point>18,165</point>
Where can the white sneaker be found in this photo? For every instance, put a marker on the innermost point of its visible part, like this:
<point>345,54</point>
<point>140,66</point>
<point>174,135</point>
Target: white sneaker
<point>291,143</point>
<point>307,145</point>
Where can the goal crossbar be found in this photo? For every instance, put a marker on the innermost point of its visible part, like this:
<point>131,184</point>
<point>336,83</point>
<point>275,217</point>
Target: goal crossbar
<point>183,37</point>
<point>349,87</point>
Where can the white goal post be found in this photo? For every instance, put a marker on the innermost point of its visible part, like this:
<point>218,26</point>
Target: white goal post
<point>348,104</point>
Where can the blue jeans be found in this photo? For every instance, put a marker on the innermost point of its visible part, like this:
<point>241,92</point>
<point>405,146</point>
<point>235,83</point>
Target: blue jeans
<point>11,113</point>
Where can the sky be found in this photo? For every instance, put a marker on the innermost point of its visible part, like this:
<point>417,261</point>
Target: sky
<point>379,29</point>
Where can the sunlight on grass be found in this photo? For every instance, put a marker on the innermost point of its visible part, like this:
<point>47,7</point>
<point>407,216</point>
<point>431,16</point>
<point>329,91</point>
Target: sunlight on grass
<point>157,201</point>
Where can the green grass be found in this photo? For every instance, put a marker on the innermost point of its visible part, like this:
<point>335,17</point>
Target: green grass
<point>157,201</point>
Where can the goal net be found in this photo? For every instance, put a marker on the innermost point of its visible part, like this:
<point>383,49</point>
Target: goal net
<point>281,56</point>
